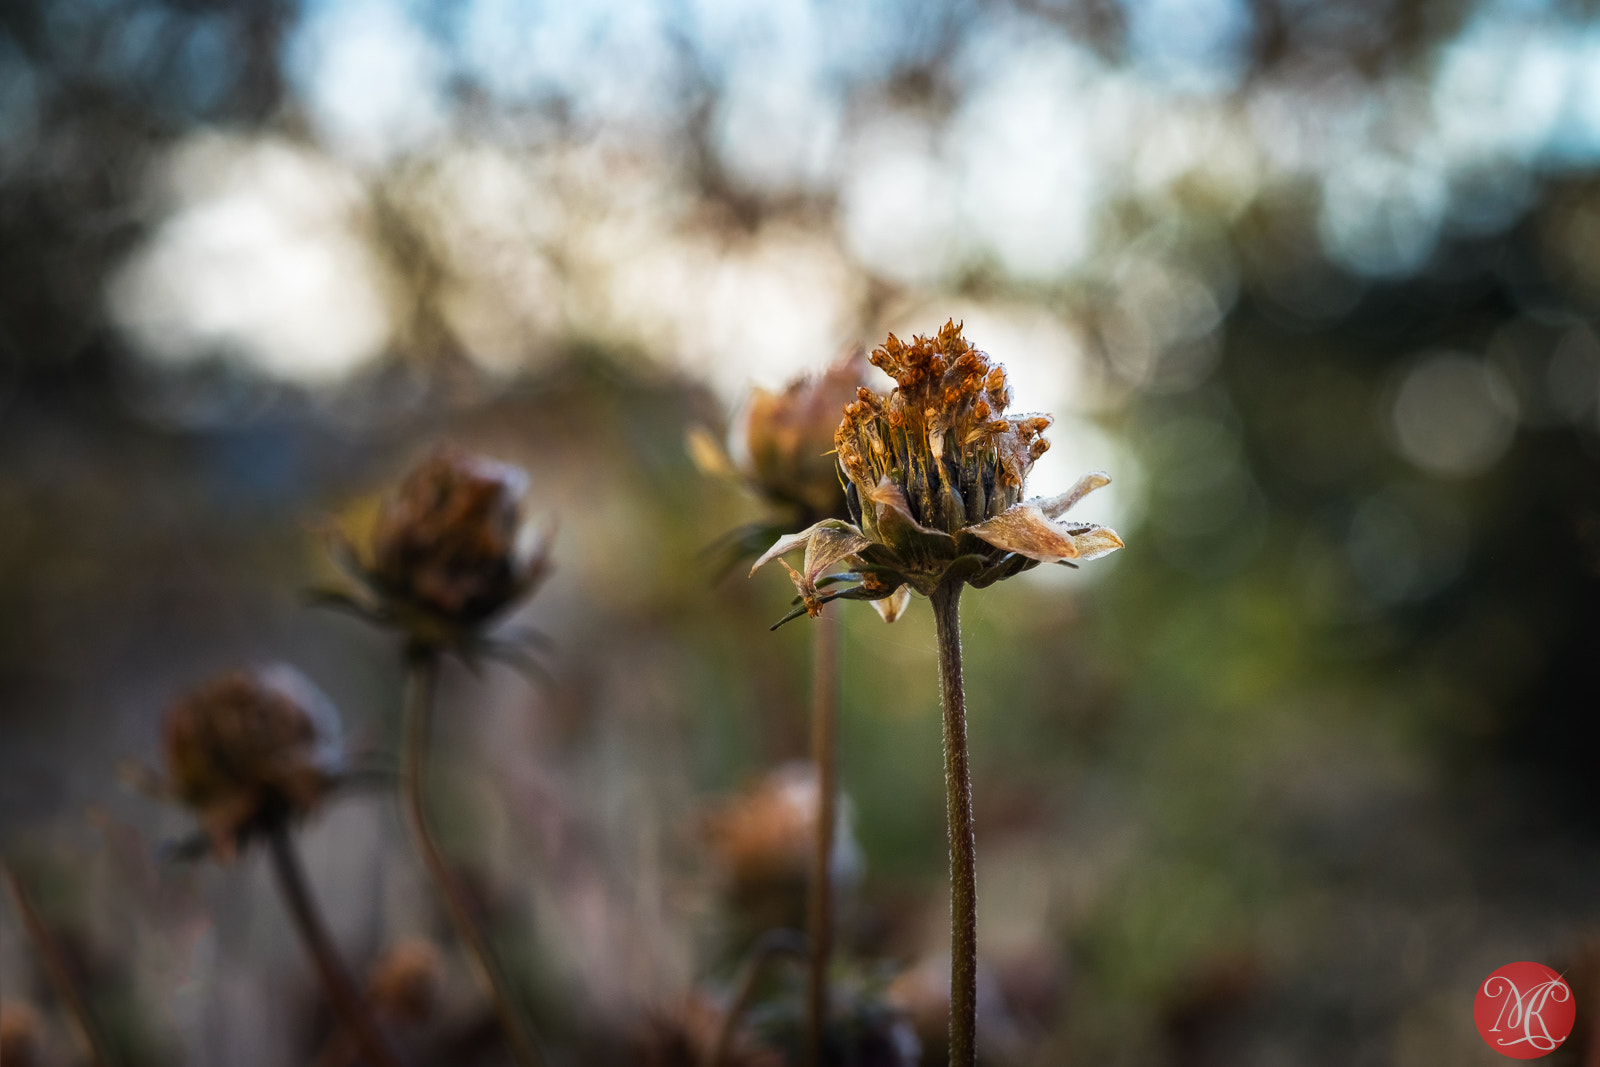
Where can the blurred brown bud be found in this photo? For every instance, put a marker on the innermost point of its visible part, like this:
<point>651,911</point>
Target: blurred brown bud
<point>447,540</point>
<point>250,748</point>
<point>784,441</point>
<point>404,982</point>
<point>19,1035</point>
<point>763,836</point>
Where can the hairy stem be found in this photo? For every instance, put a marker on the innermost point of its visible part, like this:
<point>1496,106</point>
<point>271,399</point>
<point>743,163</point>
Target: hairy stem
<point>422,675</point>
<point>963,845</point>
<point>336,981</point>
<point>771,944</point>
<point>58,971</point>
<point>824,726</point>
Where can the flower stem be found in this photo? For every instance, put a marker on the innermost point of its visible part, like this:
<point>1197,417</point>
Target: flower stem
<point>963,845</point>
<point>422,675</point>
<point>58,971</point>
<point>341,989</point>
<point>824,745</point>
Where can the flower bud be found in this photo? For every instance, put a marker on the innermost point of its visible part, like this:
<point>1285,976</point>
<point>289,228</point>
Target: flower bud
<point>404,982</point>
<point>447,540</point>
<point>249,749</point>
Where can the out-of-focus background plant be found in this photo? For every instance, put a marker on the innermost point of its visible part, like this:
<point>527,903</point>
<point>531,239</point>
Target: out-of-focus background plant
<point>1317,284</point>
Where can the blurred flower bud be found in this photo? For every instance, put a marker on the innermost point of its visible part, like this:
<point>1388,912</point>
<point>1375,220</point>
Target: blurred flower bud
<point>783,442</point>
<point>249,749</point>
<point>404,982</point>
<point>19,1034</point>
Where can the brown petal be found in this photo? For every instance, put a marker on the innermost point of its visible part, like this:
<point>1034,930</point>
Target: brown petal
<point>829,545</point>
<point>1056,506</point>
<point>789,542</point>
<point>894,605</point>
<point>1024,529</point>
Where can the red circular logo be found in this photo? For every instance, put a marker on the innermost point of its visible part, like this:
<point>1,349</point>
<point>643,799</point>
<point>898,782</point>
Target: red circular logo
<point>1524,1010</point>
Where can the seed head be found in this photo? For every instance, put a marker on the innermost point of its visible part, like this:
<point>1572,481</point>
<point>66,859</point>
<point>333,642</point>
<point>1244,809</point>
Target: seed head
<point>251,749</point>
<point>936,471</point>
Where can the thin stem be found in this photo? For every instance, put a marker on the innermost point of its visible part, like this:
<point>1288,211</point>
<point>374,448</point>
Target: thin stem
<point>772,943</point>
<point>963,845</point>
<point>824,745</point>
<point>422,675</point>
<point>58,972</point>
<point>336,981</point>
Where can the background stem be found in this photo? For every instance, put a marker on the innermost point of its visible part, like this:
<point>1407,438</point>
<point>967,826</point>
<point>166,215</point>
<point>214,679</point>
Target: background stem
<point>963,844</point>
<point>341,989</point>
<point>422,675</point>
<point>824,727</point>
<point>58,971</point>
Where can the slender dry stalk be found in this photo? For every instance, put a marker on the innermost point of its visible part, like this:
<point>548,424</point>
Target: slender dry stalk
<point>963,843</point>
<point>824,754</point>
<point>341,988</point>
<point>422,676</point>
<point>770,945</point>
<point>58,972</point>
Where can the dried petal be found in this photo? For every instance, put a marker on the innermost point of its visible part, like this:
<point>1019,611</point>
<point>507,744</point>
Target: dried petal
<point>829,545</point>
<point>1024,529</point>
<point>894,605</point>
<point>1056,506</point>
<point>789,542</point>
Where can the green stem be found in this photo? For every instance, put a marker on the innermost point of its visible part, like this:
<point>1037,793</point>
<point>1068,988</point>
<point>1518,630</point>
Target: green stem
<point>341,989</point>
<point>963,844</point>
<point>824,745</point>
<point>422,675</point>
<point>58,971</point>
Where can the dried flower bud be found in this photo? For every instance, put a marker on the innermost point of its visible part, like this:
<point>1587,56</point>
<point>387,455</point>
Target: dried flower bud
<point>19,1034</point>
<point>936,472</point>
<point>447,541</point>
<point>765,834</point>
<point>404,982</point>
<point>784,441</point>
<point>251,748</point>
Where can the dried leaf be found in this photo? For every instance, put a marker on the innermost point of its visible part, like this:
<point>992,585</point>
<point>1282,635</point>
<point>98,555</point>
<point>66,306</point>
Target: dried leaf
<point>1056,506</point>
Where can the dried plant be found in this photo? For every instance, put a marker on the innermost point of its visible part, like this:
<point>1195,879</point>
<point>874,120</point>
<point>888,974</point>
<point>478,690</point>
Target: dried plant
<point>251,753</point>
<point>450,553</point>
<point>936,472</point>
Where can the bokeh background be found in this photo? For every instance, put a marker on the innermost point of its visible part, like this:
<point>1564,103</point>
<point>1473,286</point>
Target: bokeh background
<point>1316,283</point>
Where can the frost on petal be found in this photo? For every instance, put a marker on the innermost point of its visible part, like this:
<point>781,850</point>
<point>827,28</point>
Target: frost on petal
<point>829,545</point>
<point>1096,541</point>
<point>1023,529</point>
<point>789,542</point>
<point>1056,506</point>
<point>894,605</point>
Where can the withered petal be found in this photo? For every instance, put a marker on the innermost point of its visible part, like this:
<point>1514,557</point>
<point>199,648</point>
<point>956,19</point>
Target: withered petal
<point>894,605</point>
<point>789,542</point>
<point>1025,530</point>
<point>1056,506</point>
<point>828,546</point>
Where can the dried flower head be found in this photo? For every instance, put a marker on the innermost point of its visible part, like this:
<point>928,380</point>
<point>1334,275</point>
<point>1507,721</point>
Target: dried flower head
<point>936,472</point>
<point>19,1034</point>
<point>448,551</point>
<point>250,749</point>
<point>766,833</point>
<point>784,441</point>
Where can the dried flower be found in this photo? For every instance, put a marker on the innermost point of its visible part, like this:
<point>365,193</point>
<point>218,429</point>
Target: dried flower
<point>448,551</point>
<point>935,474</point>
<point>19,1034</point>
<point>784,443</point>
<point>251,749</point>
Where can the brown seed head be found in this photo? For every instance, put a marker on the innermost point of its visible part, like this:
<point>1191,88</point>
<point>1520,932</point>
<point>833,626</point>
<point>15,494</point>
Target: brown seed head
<point>941,435</point>
<point>765,834</point>
<point>447,540</point>
<point>249,748</point>
<point>19,1034</point>
<point>787,440</point>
